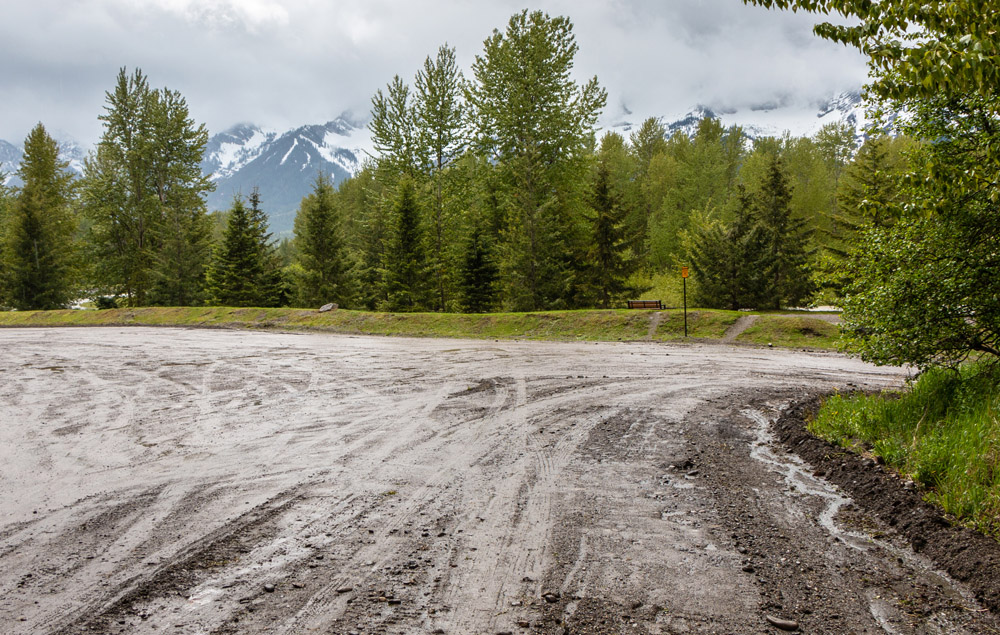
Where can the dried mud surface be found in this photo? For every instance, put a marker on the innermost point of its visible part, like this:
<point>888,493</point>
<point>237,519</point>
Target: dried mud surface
<point>193,481</point>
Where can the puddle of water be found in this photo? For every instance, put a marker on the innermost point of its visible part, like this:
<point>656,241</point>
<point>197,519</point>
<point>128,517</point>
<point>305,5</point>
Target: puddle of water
<point>798,476</point>
<point>203,597</point>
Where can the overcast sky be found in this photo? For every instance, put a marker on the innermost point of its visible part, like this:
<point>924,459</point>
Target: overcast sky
<point>283,63</point>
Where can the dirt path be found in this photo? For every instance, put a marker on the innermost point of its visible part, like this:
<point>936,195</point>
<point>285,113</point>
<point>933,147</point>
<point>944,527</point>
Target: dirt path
<point>741,324</point>
<point>654,323</point>
<point>192,481</point>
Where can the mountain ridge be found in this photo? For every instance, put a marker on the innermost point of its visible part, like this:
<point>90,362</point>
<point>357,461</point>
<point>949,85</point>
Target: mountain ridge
<point>284,164</point>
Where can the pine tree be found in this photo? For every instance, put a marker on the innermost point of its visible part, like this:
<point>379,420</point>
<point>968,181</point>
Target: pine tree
<point>245,269</point>
<point>405,272</point>
<point>320,250</point>
<point>39,255</point>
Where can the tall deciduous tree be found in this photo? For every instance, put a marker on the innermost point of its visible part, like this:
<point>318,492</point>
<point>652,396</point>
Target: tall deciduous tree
<point>693,176</point>
<point>393,128</point>
<point>143,189</point>
<point>39,251</point>
<point>325,269</point>
<point>917,49</point>
<point>536,124</point>
<point>440,129</point>
<point>648,141</point>
<point>925,289</point>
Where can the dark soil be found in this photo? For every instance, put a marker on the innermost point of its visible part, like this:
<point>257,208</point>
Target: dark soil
<point>966,555</point>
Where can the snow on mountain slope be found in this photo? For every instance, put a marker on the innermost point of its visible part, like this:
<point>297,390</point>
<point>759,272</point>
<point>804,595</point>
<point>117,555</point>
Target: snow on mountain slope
<point>283,166</point>
<point>228,152</point>
<point>10,158</point>
<point>770,119</point>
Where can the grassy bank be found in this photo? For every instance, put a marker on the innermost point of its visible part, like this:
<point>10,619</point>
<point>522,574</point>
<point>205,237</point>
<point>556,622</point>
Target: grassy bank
<point>791,331</point>
<point>943,433</point>
<point>591,325</point>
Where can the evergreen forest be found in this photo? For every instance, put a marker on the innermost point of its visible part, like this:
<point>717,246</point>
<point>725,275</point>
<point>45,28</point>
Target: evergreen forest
<point>494,190</point>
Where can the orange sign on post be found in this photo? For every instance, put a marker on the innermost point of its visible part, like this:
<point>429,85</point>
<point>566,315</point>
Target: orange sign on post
<point>684,272</point>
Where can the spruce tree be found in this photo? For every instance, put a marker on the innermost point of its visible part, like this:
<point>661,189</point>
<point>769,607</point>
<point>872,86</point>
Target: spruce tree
<point>325,271</point>
<point>405,271</point>
<point>364,206</point>
<point>244,269</point>
<point>479,273</point>
<point>39,255</point>
<point>786,238</point>
<point>731,266</point>
<point>610,261</point>
<point>440,130</point>
<point>180,263</point>
<point>868,198</point>
<point>759,260</point>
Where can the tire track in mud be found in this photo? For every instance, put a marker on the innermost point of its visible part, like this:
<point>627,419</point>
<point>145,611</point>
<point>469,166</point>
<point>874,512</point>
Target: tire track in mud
<point>330,484</point>
<point>126,605</point>
<point>318,609</point>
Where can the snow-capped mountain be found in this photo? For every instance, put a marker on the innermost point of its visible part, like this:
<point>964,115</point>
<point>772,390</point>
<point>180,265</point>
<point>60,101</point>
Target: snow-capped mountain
<point>282,165</point>
<point>768,119</point>
<point>10,159</point>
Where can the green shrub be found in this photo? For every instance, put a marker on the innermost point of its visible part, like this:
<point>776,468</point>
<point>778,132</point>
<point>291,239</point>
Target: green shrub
<point>943,433</point>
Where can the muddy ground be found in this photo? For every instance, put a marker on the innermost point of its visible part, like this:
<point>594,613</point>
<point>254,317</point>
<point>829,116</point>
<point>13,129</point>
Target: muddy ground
<point>193,481</point>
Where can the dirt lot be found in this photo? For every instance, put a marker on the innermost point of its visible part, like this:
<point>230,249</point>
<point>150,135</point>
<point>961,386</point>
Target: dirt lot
<point>193,481</point>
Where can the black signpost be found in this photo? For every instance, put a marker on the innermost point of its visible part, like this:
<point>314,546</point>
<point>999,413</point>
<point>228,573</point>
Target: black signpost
<point>684,278</point>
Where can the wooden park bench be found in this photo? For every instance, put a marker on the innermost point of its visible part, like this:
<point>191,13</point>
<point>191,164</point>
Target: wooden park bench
<point>646,304</point>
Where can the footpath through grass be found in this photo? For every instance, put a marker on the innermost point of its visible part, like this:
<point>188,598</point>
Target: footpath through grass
<point>943,433</point>
<point>590,325</point>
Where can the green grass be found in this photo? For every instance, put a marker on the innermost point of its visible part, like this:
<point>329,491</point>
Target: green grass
<point>667,287</point>
<point>792,331</point>
<point>943,433</point>
<point>590,325</point>
<point>702,323</point>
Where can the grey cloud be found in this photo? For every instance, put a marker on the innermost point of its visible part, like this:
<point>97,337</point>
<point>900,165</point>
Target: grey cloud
<point>290,62</point>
